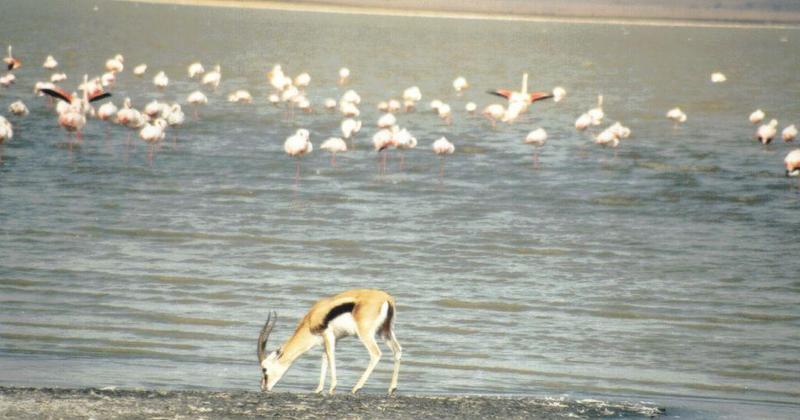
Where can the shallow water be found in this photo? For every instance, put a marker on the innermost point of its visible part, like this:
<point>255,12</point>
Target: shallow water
<point>667,271</point>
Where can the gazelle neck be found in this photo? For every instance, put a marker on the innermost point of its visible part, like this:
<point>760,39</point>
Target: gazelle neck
<point>300,342</point>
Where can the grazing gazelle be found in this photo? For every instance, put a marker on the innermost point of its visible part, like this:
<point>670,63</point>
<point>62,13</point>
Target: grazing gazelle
<point>359,312</point>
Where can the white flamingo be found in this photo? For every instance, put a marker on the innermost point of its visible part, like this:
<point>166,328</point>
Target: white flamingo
<point>296,146</point>
<point>334,145</point>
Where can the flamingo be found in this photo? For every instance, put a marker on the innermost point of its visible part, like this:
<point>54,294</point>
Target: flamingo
<point>445,113</point>
<point>334,145</point>
<point>161,80</point>
<point>8,79</point>
<point>18,108</point>
<point>302,80</point>
<point>349,109</point>
<point>108,79</point>
<point>470,107</point>
<point>296,146</point>
<point>6,130</point>
<point>175,118</point>
<point>107,111</point>
<point>521,95</point>
<point>559,93</point>
<point>607,138</point>
<point>596,113</point>
<point>213,77</point>
<point>767,132</point>
<point>387,120</point>
<point>443,147</point>
<point>537,139</point>
<point>115,64</point>
<point>460,84</point>
<point>349,128</point>
<point>789,133</point>
<point>58,77</point>
<point>153,133</point>
<point>493,113</point>
<point>155,108</point>
<point>352,97</point>
<point>381,142</point>
<point>140,70</point>
<point>278,79</point>
<point>241,96</point>
<point>718,77</point>
<point>344,75</point>
<point>197,98</point>
<point>330,104</point>
<point>411,96</point>
<point>792,162</point>
<point>195,69</point>
<point>583,122</point>
<point>404,141</point>
<point>12,63</point>
<point>73,118</point>
<point>50,63</point>
<point>619,130</point>
<point>677,116</point>
<point>757,116</point>
<point>513,111</point>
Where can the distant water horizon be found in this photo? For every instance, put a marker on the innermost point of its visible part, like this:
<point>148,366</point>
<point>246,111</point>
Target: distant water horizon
<point>682,12</point>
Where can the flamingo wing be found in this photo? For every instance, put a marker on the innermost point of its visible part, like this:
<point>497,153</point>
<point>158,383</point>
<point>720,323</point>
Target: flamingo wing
<point>504,93</point>
<point>59,93</point>
<point>99,96</point>
<point>538,96</point>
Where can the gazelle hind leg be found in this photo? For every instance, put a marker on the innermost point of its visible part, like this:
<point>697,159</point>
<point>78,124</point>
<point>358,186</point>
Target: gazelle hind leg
<point>330,347</point>
<point>397,350</point>
<point>374,357</point>
<point>322,373</point>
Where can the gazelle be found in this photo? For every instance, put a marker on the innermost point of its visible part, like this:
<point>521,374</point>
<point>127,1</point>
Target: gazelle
<point>359,312</point>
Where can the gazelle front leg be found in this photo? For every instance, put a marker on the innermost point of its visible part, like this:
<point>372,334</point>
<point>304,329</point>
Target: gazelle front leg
<point>330,347</point>
<point>374,357</point>
<point>322,373</point>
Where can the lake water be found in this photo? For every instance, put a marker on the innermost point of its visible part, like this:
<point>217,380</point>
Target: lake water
<point>666,272</point>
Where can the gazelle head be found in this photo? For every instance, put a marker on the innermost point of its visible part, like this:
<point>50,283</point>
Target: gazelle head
<point>271,367</point>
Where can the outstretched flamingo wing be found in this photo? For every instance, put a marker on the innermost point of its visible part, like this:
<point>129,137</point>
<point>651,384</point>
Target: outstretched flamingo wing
<point>538,96</point>
<point>59,93</point>
<point>99,96</point>
<point>505,93</point>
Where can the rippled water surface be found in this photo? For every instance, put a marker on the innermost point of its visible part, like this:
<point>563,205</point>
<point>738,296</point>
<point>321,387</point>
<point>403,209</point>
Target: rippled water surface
<point>666,270</point>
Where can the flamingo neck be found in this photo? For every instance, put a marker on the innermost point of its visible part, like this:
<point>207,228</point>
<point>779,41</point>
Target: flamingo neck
<point>525,84</point>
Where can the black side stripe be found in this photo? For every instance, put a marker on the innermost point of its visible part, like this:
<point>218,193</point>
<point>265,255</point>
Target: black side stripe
<point>335,312</point>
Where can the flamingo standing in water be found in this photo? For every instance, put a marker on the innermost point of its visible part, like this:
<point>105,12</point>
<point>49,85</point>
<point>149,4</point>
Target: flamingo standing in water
<point>789,133</point>
<point>493,113</point>
<point>677,116</point>
<point>522,95</point>
<point>73,118</point>
<point>6,130</point>
<point>175,118</point>
<point>161,80</point>
<point>460,84</point>
<point>757,116</point>
<point>12,63</point>
<point>404,141</point>
<point>195,69</point>
<point>296,146</point>
<point>50,63</point>
<point>334,145</point>
<point>443,147</point>
<point>197,98</point>
<point>115,64</point>
<point>537,139</point>
<point>153,133</point>
<point>18,108</point>
<point>344,75</point>
<point>140,70</point>
<point>767,132</point>
<point>213,77</point>
<point>381,142</point>
<point>792,162</point>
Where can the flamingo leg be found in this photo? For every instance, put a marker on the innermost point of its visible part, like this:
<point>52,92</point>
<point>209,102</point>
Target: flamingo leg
<point>333,159</point>
<point>297,171</point>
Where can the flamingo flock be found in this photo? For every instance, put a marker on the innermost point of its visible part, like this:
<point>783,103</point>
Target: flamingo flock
<point>152,122</point>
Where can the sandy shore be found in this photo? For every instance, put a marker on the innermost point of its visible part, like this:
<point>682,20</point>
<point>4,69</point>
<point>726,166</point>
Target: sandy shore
<point>703,20</point>
<point>48,403</point>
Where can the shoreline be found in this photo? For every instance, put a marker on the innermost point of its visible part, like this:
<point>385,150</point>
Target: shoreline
<point>36,403</point>
<point>390,12</point>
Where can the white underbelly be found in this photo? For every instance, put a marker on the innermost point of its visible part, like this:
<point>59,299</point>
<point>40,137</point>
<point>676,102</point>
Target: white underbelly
<point>343,325</point>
